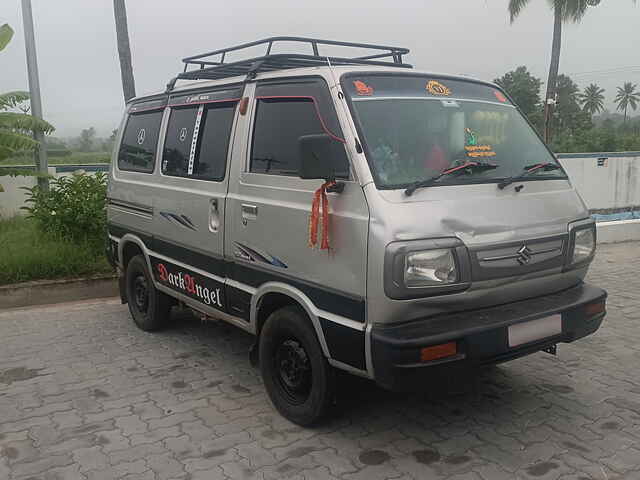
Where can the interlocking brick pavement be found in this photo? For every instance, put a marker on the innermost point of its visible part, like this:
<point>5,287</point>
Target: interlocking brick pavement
<point>85,395</point>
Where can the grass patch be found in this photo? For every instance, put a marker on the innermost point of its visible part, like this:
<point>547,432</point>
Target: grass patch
<point>75,157</point>
<point>28,254</point>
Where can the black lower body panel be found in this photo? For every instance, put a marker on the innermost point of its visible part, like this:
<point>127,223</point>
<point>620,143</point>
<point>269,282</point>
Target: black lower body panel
<point>481,336</point>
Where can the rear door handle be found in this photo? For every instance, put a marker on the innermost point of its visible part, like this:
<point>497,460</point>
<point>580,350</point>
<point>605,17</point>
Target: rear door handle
<point>249,212</point>
<point>214,216</point>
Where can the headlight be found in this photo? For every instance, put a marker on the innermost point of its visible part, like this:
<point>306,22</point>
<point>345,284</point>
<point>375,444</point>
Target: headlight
<point>426,268</point>
<point>429,268</point>
<point>584,245</point>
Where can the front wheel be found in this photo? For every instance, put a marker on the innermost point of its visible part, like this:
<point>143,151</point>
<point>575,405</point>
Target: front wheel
<point>295,372</point>
<point>149,308</point>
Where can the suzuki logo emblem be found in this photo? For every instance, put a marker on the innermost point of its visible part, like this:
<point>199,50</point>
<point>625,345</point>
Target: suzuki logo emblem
<point>524,255</point>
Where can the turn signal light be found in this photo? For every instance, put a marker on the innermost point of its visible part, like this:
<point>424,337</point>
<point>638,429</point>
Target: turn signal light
<point>595,308</point>
<point>436,352</point>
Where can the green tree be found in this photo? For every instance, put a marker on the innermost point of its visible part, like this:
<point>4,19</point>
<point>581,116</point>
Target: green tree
<point>568,115</point>
<point>592,99</point>
<point>87,137</point>
<point>627,97</point>
<point>563,11</point>
<point>523,87</point>
<point>16,129</point>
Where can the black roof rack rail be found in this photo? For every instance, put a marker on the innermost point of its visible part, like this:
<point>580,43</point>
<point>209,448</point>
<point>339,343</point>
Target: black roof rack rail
<point>214,69</point>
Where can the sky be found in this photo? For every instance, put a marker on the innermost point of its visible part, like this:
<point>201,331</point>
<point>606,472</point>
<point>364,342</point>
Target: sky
<point>80,73</point>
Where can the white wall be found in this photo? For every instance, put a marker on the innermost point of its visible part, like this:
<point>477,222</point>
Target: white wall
<point>614,185</point>
<point>13,197</point>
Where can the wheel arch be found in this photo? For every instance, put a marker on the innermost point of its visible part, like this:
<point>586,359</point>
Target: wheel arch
<point>274,295</point>
<point>129,246</point>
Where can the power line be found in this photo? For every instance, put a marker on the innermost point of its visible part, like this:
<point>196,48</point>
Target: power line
<point>607,71</point>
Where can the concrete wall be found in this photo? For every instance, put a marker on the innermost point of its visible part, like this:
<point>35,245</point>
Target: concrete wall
<point>13,196</point>
<point>606,181</point>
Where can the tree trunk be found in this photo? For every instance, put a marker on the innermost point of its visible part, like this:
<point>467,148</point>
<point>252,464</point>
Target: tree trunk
<point>124,51</point>
<point>553,72</point>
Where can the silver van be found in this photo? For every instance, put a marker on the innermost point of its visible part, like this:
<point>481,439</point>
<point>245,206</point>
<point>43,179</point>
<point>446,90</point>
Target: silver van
<point>352,214</point>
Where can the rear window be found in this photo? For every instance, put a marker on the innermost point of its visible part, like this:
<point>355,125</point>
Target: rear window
<point>139,142</point>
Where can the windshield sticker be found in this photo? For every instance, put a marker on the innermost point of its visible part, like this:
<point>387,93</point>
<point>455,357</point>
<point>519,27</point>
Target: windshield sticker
<point>470,137</point>
<point>436,88</point>
<point>500,96</point>
<point>362,88</point>
<point>472,149</point>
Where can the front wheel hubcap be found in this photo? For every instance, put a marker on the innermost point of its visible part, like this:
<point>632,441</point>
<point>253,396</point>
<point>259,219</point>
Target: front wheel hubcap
<point>293,370</point>
<point>141,293</point>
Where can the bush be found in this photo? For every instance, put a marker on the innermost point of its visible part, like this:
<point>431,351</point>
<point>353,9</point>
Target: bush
<point>74,208</point>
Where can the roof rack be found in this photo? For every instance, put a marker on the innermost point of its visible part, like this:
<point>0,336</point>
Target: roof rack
<point>213,69</point>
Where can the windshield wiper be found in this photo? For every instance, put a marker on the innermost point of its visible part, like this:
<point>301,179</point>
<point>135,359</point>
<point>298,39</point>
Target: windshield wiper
<point>528,170</point>
<point>430,181</point>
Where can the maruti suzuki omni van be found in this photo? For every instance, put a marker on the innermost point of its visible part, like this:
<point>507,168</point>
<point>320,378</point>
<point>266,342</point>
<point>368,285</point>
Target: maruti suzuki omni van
<point>351,213</point>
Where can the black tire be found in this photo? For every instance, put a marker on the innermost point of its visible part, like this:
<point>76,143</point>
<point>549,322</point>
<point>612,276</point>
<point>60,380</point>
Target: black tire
<point>149,308</point>
<point>295,372</point>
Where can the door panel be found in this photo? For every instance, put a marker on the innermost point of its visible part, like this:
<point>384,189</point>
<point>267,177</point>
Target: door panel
<point>268,212</point>
<point>191,206</point>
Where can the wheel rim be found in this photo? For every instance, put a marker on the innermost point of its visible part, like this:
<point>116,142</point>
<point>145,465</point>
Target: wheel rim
<point>141,293</point>
<point>293,370</point>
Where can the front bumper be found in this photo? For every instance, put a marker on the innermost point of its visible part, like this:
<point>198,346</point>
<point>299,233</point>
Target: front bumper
<point>481,336</point>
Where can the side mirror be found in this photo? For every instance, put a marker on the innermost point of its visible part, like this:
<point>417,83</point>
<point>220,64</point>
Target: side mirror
<point>316,159</point>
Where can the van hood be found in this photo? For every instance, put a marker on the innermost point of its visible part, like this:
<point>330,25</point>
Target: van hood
<point>482,213</point>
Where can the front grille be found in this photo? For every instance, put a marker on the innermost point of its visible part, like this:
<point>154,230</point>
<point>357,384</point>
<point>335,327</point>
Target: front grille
<point>517,258</point>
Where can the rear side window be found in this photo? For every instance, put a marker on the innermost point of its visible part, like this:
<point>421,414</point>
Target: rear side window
<point>203,154</point>
<point>279,123</point>
<point>138,148</point>
<point>177,144</point>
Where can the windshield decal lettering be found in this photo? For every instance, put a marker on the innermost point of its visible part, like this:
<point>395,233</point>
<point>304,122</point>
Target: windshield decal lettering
<point>475,151</point>
<point>436,88</point>
<point>362,88</point>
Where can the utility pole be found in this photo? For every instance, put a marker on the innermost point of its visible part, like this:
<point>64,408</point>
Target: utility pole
<point>124,50</point>
<point>34,93</point>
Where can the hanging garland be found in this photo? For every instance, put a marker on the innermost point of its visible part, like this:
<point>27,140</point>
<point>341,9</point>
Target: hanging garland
<point>320,207</point>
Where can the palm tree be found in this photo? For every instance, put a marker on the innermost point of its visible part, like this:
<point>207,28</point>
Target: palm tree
<point>592,99</point>
<point>627,97</point>
<point>124,51</point>
<point>16,129</point>
<point>563,11</point>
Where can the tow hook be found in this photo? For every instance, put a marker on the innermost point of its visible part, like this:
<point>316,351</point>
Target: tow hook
<point>553,349</point>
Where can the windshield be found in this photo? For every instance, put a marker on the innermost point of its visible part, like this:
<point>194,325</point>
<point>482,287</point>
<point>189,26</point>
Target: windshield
<point>414,127</point>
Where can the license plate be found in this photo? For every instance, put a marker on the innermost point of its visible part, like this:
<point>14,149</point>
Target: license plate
<point>535,330</point>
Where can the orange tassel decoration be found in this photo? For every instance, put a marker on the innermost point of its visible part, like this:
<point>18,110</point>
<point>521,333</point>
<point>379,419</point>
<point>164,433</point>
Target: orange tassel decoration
<point>320,198</point>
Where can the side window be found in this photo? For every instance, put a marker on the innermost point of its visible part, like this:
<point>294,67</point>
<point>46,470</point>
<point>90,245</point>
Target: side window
<point>207,158</point>
<point>211,159</point>
<point>138,148</point>
<point>177,143</point>
<point>279,122</point>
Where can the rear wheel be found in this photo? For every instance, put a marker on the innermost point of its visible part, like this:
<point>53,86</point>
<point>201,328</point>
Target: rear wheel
<point>296,374</point>
<point>149,308</point>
